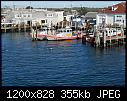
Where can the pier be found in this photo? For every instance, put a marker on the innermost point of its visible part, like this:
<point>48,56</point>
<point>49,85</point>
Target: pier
<point>10,27</point>
<point>104,40</point>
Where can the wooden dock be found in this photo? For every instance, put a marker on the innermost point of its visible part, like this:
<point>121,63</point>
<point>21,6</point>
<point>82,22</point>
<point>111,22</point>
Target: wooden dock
<point>110,41</point>
<point>10,27</point>
<point>115,37</point>
<point>104,39</point>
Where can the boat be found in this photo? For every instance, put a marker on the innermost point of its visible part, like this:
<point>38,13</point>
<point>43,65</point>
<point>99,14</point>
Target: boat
<point>42,33</point>
<point>63,34</point>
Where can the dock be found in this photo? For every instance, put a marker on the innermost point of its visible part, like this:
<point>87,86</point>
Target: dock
<point>106,41</point>
<point>10,27</point>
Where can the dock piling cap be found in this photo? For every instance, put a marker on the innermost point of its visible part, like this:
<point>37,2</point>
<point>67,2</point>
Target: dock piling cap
<point>67,27</point>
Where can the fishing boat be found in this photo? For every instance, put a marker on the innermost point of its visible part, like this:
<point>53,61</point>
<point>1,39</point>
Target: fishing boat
<point>63,34</point>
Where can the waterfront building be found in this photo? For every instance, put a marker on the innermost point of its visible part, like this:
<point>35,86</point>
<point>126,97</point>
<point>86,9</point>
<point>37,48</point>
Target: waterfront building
<point>112,15</point>
<point>68,17</point>
<point>33,16</point>
<point>54,17</point>
<point>91,17</point>
<point>73,19</point>
<point>5,11</point>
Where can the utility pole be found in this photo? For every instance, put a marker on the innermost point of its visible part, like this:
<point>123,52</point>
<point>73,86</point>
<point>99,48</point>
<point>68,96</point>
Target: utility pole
<point>71,7</point>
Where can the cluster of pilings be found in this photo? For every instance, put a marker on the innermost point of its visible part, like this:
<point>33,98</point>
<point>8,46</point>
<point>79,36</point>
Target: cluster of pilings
<point>104,40</point>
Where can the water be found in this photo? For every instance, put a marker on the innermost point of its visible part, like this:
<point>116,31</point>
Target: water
<point>59,63</point>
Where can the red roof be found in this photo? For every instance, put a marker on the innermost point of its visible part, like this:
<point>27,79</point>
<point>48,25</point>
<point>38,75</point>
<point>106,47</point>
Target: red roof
<point>115,9</point>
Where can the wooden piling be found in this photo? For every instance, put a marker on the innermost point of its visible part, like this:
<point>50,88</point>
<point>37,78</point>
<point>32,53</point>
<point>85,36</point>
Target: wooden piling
<point>19,27</point>
<point>5,28</point>
<point>24,27</point>
<point>36,31</point>
<point>104,38</point>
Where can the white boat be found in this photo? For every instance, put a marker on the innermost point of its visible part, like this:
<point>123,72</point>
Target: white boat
<point>63,34</point>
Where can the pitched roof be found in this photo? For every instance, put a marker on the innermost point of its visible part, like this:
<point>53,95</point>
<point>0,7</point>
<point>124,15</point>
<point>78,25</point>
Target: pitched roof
<point>90,15</point>
<point>115,9</point>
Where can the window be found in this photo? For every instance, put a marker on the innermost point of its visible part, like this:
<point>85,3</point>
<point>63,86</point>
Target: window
<point>118,20</point>
<point>119,16</point>
<point>17,16</point>
<point>67,30</point>
<point>49,15</point>
<point>28,15</point>
<point>24,15</point>
<point>42,21</point>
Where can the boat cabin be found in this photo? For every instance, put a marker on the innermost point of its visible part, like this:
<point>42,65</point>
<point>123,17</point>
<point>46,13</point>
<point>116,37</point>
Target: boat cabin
<point>64,32</point>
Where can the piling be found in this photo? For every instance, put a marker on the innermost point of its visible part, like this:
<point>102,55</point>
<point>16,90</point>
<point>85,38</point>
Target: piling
<point>36,31</point>
<point>5,28</point>
<point>19,27</point>
<point>24,28</point>
<point>84,39</point>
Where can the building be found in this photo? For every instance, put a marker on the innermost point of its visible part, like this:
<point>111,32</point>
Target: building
<point>91,17</point>
<point>112,15</point>
<point>33,16</point>
<point>68,17</point>
<point>73,19</point>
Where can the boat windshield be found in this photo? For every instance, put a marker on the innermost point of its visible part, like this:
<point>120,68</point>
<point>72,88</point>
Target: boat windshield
<point>69,30</point>
<point>43,29</point>
<point>64,30</point>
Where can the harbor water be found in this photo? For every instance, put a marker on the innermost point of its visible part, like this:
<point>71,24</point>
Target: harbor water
<point>59,63</point>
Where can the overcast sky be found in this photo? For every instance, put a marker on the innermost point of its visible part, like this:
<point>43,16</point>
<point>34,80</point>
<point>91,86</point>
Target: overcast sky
<point>59,4</point>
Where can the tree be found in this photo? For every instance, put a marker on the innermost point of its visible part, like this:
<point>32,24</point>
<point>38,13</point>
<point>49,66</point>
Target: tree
<point>82,10</point>
<point>29,7</point>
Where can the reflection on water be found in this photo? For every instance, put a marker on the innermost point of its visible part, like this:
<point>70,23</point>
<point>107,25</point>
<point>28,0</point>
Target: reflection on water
<point>59,63</point>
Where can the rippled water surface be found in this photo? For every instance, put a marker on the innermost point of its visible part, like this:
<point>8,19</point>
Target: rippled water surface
<point>59,63</point>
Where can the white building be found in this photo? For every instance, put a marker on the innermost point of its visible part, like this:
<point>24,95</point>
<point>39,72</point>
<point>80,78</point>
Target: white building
<point>115,14</point>
<point>42,17</point>
<point>68,17</point>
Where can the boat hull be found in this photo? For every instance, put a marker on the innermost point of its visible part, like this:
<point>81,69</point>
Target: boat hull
<point>39,36</point>
<point>61,38</point>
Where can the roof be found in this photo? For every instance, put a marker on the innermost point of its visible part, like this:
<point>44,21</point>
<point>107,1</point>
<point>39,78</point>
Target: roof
<point>115,9</point>
<point>91,15</point>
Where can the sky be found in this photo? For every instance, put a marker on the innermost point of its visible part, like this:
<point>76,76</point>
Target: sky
<point>59,4</point>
